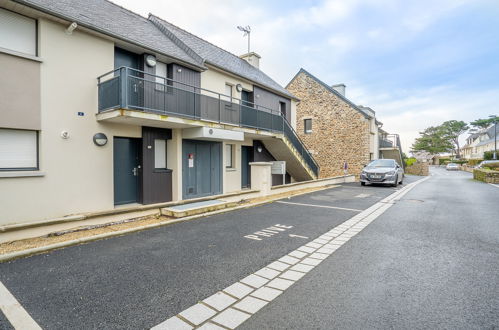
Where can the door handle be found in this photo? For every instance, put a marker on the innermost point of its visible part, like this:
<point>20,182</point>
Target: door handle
<point>135,88</point>
<point>135,171</point>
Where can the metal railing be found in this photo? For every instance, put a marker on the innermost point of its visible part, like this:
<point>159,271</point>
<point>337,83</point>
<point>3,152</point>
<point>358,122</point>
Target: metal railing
<point>390,141</point>
<point>127,88</point>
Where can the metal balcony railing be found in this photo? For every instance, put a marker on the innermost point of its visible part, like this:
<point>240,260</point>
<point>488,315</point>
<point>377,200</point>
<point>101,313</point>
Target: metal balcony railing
<point>127,88</point>
<point>390,141</point>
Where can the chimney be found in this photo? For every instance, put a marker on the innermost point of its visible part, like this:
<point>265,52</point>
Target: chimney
<point>340,88</point>
<point>252,58</point>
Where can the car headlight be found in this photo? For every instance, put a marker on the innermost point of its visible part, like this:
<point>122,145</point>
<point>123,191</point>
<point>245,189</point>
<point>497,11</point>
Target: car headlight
<point>390,173</point>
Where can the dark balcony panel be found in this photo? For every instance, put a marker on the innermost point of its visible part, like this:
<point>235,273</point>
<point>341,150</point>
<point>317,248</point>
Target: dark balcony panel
<point>265,120</point>
<point>229,112</point>
<point>209,108</point>
<point>248,117</point>
<point>109,94</point>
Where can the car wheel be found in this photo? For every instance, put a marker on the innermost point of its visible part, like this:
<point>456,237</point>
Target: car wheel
<point>362,183</point>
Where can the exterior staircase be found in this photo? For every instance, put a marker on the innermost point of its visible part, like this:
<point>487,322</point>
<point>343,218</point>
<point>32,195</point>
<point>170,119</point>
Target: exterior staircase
<point>390,148</point>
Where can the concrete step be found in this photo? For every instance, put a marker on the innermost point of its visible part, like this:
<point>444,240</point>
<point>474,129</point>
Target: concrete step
<point>188,209</point>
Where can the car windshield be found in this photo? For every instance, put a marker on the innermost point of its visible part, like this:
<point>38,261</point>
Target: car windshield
<point>382,163</point>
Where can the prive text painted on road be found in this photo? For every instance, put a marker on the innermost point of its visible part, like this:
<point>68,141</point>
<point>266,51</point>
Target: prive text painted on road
<point>268,232</point>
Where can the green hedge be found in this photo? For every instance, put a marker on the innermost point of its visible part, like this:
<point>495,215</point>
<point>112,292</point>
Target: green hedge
<point>488,155</point>
<point>410,161</point>
<point>474,162</point>
<point>442,161</point>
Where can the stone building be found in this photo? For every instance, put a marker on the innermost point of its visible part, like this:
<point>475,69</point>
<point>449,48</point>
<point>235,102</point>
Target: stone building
<point>334,129</point>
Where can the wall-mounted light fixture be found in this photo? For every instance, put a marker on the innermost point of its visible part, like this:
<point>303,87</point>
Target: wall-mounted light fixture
<point>179,70</point>
<point>259,149</point>
<point>65,135</point>
<point>100,139</point>
<point>239,88</point>
<point>151,60</point>
<point>71,28</point>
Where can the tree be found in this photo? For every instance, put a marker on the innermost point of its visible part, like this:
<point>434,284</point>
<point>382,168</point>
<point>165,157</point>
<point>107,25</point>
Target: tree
<point>482,123</point>
<point>433,140</point>
<point>452,130</point>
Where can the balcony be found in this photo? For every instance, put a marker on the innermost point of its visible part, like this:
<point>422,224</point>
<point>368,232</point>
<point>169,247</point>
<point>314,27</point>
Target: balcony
<point>130,89</point>
<point>390,141</point>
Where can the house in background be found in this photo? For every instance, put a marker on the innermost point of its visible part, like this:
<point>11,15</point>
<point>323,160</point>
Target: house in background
<point>334,129</point>
<point>101,107</point>
<point>479,142</point>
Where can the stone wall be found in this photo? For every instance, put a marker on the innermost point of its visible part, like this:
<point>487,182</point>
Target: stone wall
<point>339,132</point>
<point>488,176</point>
<point>418,168</point>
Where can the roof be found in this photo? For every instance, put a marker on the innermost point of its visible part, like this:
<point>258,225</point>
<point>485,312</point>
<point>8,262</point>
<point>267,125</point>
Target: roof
<point>487,141</point>
<point>332,90</point>
<point>219,57</point>
<point>113,20</point>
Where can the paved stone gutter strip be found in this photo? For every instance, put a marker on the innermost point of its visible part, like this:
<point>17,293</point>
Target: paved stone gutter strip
<point>229,308</point>
<point>42,249</point>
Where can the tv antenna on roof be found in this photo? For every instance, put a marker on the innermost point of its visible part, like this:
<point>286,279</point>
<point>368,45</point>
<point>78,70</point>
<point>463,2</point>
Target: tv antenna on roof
<point>247,32</point>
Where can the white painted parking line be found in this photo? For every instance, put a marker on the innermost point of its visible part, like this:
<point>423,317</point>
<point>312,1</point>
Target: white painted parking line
<point>14,312</point>
<point>281,273</point>
<point>322,206</point>
<point>495,185</point>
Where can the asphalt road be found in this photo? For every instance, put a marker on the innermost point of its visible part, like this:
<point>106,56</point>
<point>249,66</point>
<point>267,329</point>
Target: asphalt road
<point>430,261</point>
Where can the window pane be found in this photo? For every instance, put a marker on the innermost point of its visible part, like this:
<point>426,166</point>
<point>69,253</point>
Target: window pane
<point>161,72</point>
<point>18,149</point>
<point>308,125</point>
<point>159,153</point>
<point>228,90</point>
<point>17,32</point>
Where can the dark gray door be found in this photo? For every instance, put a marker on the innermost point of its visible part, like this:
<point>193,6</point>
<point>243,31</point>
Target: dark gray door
<point>130,60</point>
<point>126,170</point>
<point>156,177</point>
<point>246,158</point>
<point>201,168</point>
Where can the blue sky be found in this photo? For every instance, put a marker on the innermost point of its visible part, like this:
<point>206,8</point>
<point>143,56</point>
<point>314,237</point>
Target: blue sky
<point>416,63</point>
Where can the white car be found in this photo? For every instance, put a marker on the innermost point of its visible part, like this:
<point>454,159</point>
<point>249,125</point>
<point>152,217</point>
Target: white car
<point>452,167</point>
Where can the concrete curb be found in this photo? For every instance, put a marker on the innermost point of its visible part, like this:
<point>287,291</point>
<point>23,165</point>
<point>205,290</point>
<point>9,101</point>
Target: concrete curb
<point>85,216</point>
<point>29,252</point>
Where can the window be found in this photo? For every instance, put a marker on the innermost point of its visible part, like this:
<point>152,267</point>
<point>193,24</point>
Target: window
<point>229,156</point>
<point>159,154</point>
<point>17,32</point>
<point>307,124</point>
<point>161,76</point>
<point>282,108</point>
<point>228,92</point>
<point>18,149</point>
